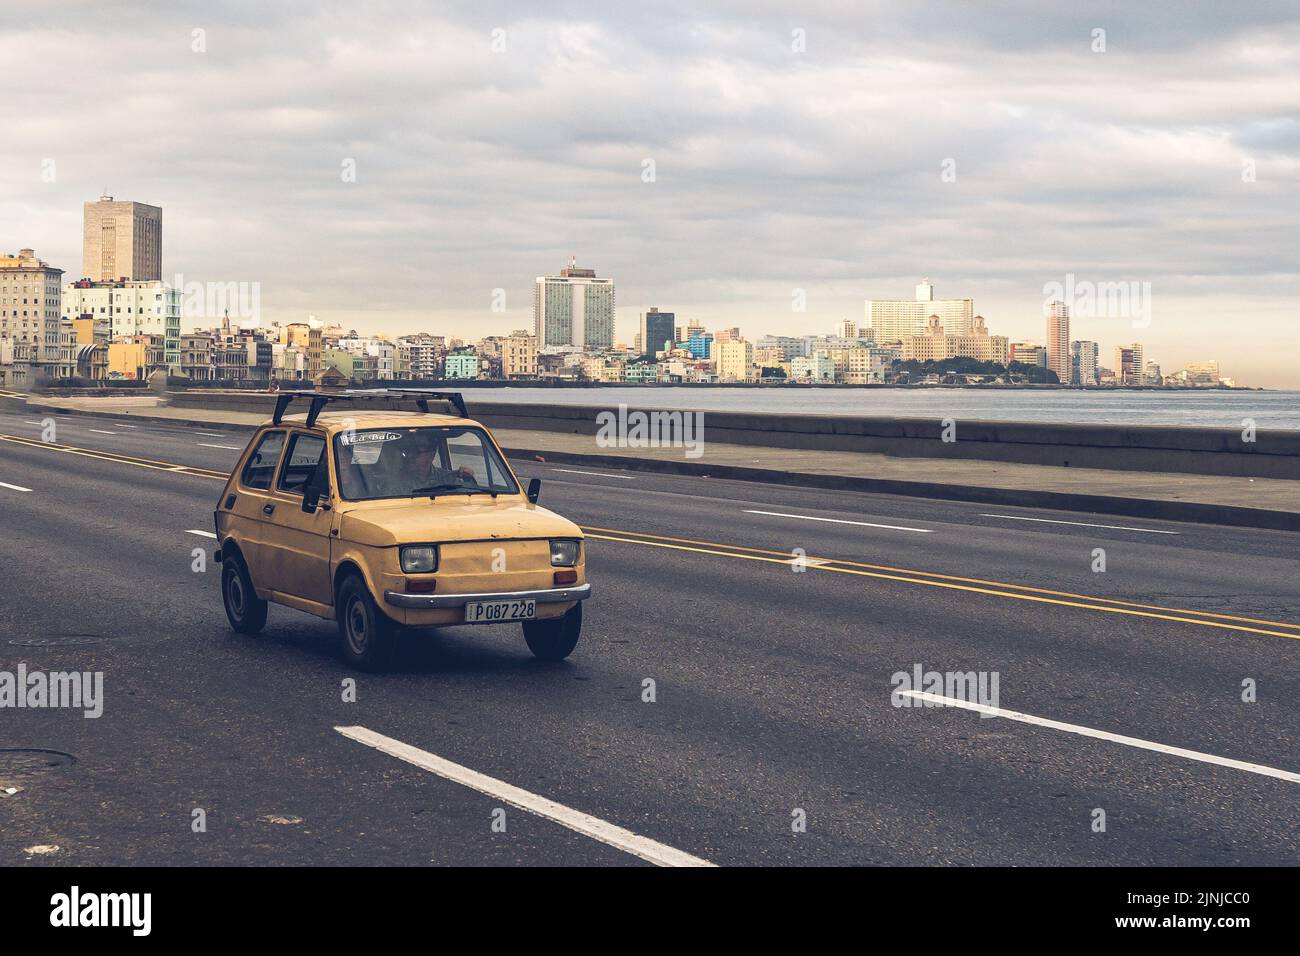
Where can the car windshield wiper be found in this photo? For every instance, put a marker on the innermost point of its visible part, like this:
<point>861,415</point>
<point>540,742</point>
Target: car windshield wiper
<point>445,488</point>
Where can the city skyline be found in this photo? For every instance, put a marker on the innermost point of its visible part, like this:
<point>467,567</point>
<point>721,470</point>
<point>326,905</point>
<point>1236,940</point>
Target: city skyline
<point>909,325</point>
<point>422,177</point>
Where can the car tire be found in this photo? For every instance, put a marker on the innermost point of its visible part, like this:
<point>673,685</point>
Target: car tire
<point>555,639</point>
<point>368,636</point>
<point>244,609</point>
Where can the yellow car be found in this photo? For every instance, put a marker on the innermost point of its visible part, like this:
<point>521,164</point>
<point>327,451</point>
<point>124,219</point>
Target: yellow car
<point>379,519</point>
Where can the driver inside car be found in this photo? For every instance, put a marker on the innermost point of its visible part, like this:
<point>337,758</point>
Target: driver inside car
<point>419,467</point>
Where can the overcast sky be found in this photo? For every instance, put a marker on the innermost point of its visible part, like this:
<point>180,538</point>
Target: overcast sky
<point>782,160</point>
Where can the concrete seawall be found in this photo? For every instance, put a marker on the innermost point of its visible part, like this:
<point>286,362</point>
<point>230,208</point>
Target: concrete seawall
<point>1188,450</point>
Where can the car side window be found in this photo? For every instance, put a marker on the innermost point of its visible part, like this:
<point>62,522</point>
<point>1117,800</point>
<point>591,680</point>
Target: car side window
<point>260,470</point>
<point>305,454</point>
<point>467,451</point>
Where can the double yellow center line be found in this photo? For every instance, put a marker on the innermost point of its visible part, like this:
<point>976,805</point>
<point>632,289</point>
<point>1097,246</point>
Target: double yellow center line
<point>114,457</point>
<point>1000,589</point>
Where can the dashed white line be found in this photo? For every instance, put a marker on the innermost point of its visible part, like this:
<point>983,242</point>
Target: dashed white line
<point>1080,524</point>
<point>650,850</point>
<point>201,534</point>
<point>598,474</point>
<point>227,447</point>
<point>100,431</point>
<point>5,484</point>
<point>1106,735</point>
<point>212,434</point>
<point>864,524</point>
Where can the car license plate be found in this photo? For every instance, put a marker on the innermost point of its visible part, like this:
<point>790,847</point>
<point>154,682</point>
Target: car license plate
<point>492,612</point>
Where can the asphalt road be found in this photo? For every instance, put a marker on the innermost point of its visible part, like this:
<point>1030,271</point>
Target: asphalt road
<point>772,685</point>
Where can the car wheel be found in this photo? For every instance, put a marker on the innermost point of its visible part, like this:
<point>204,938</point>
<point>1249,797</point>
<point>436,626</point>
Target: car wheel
<point>368,635</point>
<point>244,609</point>
<point>554,640</point>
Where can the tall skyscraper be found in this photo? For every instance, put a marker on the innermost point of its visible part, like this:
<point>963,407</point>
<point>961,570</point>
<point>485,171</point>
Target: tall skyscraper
<point>121,240</point>
<point>893,320</point>
<point>573,309</point>
<point>1058,340</point>
<point>657,328</point>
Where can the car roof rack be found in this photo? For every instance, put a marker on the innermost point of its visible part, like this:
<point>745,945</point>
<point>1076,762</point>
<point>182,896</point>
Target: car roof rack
<point>320,399</point>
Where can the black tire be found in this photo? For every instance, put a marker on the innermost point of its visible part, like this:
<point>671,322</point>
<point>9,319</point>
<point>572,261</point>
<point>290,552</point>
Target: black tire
<point>244,609</point>
<point>368,636</point>
<point>555,639</point>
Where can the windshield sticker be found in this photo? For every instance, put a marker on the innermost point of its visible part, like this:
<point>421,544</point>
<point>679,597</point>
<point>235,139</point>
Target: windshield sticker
<point>367,438</point>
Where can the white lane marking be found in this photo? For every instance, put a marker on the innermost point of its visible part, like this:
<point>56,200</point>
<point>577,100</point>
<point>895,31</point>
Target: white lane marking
<point>598,474</point>
<point>1106,735</point>
<point>121,425</point>
<point>5,484</point>
<point>100,431</point>
<point>229,447</point>
<point>33,423</point>
<point>864,524</point>
<point>658,853</point>
<point>201,534</point>
<point>1080,524</point>
<point>212,434</point>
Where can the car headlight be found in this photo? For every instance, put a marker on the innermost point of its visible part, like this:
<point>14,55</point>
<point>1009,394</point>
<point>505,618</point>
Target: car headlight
<point>564,553</point>
<point>420,559</point>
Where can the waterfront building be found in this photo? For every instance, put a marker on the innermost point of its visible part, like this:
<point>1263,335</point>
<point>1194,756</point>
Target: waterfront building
<point>1058,340</point>
<point>462,365</point>
<point>936,344</point>
<point>1200,373</point>
<point>574,308</point>
<point>121,240</point>
<point>735,360</point>
<point>519,355</point>
<point>1129,364</point>
<point>1084,356</point>
<point>1028,353</point>
<point>30,295</point>
<point>657,333</point>
<point>893,320</point>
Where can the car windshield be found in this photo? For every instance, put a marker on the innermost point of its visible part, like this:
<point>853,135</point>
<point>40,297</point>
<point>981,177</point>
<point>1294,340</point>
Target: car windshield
<point>418,462</point>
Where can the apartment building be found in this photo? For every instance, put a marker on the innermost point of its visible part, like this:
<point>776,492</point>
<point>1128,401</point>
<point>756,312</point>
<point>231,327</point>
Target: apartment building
<point>30,297</point>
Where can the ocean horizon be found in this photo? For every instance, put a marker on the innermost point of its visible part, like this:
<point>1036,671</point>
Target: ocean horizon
<point>1207,408</point>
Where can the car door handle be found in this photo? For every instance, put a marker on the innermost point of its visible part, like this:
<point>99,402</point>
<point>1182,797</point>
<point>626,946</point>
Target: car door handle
<point>268,509</point>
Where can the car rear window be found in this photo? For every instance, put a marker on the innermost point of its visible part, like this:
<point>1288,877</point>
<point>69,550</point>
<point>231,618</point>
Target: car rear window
<point>260,470</point>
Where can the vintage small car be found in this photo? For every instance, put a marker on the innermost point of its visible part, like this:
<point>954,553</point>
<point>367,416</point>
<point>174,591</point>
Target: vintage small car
<point>382,518</point>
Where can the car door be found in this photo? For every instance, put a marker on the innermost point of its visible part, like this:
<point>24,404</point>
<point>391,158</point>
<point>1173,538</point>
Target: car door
<point>252,496</point>
<point>296,548</point>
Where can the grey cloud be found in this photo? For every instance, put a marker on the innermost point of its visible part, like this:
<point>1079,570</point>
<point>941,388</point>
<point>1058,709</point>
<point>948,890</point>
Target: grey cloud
<point>775,169</point>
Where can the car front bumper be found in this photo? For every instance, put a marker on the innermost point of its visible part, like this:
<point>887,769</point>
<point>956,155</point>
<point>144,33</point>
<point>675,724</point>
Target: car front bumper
<point>579,592</point>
